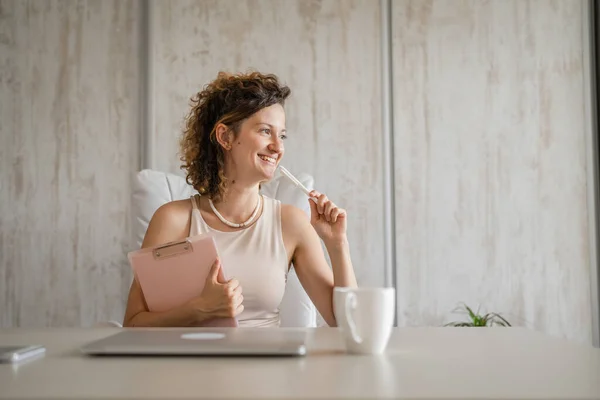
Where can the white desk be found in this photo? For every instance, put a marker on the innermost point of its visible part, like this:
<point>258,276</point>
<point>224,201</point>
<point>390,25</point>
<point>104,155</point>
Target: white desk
<point>420,363</point>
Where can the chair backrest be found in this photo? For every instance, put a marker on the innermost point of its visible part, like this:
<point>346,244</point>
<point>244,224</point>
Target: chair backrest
<point>152,189</point>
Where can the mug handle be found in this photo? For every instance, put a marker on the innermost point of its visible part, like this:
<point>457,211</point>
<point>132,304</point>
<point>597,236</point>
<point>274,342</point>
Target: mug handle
<point>350,304</point>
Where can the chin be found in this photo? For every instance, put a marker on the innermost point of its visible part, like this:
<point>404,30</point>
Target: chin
<point>266,173</point>
<point>267,176</point>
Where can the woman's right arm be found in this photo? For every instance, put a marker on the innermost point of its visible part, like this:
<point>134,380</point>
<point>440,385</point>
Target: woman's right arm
<point>138,315</point>
<point>169,223</point>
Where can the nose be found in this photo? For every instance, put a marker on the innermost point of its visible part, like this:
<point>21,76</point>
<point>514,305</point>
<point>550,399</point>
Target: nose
<point>276,145</point>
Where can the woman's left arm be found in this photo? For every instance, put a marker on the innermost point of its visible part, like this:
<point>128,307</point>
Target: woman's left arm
<point>327,223</point>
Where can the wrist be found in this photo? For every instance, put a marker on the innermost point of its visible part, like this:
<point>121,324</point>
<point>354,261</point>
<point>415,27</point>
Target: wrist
<point>196,311</point>
<point>338,244</point>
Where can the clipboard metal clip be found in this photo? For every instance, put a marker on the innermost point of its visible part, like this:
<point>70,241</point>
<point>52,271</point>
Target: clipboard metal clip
<point>172,249</point>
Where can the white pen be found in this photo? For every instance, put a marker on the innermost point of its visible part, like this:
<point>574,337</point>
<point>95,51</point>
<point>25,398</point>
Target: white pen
<point>296,182</point>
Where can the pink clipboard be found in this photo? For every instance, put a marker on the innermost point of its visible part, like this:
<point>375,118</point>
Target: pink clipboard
<point>174,273</point>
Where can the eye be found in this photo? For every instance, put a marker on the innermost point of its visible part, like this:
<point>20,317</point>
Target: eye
<point>283,136</point>
<point>266,130</point>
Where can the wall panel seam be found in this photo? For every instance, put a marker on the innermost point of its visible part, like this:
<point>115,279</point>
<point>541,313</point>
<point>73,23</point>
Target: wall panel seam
<point>389,222</point>
<point>591,142</point>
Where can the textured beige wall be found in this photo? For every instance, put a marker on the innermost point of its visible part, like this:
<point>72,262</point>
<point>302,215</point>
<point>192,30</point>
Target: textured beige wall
<point>490,182</point>
<point>328,52</point>
<point>490,162</point>
<point>68,145</point>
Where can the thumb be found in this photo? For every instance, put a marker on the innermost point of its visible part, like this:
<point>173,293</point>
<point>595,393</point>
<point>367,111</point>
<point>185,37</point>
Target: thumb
<point>214,270</point>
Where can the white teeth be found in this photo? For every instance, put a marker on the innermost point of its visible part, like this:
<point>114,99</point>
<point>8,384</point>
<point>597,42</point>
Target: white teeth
<point>268,159</point>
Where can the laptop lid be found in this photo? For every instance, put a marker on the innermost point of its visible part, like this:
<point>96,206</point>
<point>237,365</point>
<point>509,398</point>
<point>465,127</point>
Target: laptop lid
<point>197,342</point>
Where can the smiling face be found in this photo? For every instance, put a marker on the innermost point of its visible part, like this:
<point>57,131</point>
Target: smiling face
<point>256,150</point>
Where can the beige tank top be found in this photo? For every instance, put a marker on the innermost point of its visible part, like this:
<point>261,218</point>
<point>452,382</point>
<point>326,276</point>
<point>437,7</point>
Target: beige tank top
<point>257,258</point>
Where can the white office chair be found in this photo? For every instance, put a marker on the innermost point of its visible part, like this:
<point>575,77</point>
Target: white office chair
<point>153,189</point>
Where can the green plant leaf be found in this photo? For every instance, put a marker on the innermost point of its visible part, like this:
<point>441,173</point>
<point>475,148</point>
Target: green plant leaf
<point>471,313</point>
<point>460,324</point>
<point>487,319</point>
<point>476,320</point>
<point>502,319</point>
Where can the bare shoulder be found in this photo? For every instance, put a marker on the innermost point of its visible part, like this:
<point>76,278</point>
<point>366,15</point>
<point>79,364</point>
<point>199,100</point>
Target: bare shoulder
<point>171,221</point>
<point>294,220</point>
<point>174,211</point>
<point>293,213</point>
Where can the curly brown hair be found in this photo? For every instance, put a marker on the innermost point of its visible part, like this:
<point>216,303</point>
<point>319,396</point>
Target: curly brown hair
<point>229,100</point>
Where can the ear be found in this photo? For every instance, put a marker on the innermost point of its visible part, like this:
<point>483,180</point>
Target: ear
<point>224,136</point>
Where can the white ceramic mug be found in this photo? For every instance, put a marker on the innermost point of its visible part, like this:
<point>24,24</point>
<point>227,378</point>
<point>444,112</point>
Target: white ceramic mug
<point>365,316</point>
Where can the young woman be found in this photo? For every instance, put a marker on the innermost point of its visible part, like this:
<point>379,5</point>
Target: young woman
<point>233,142</point>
